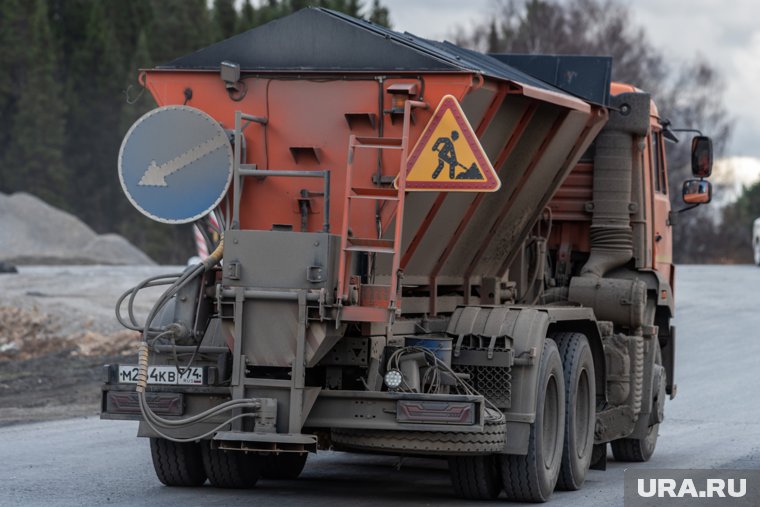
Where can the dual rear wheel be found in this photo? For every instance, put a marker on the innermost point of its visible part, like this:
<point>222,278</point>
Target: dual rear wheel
<point>190,464</point>
<point>561,437</point>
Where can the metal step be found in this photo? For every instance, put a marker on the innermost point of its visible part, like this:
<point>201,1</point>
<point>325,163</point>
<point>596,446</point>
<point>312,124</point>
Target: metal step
<point>370,245</point>
<point>391,143</point>
<point>377,194</point>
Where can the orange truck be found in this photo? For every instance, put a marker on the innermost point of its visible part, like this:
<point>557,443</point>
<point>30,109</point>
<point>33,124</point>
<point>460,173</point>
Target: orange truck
<point>424,250</point>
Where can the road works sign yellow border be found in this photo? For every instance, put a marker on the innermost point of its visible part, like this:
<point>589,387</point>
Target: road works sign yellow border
<point>448,156</point>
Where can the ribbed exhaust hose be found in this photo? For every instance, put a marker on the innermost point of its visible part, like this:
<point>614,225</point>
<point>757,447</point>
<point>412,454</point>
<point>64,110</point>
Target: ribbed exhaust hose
<point>611,234</point>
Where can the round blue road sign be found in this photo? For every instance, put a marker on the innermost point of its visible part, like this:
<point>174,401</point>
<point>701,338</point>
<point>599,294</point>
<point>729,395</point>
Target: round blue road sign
<point>175,164</point>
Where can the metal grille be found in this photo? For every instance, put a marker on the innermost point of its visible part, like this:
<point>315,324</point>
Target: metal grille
<point>493,382</point>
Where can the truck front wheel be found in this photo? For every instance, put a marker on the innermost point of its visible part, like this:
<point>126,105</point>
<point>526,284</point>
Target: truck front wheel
<point>531,478</point>
<point>177,464</point>
<point>639,450</point>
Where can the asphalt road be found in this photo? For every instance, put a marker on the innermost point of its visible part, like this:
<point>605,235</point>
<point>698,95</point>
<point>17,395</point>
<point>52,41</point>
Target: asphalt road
<point>714,422</point>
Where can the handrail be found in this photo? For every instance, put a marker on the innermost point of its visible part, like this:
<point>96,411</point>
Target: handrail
<point>243,170</point>
<point>250,170</point>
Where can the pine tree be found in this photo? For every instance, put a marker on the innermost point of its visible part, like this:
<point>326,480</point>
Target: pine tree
<point>225,18</point>
<point>128,20</point>
<point>138,100</point>
<point>95,95</point>
<point>13,29</point>
<point>33,160</point>
<point>379,14</point>
<point>178,27</point>
<point>248,17</point>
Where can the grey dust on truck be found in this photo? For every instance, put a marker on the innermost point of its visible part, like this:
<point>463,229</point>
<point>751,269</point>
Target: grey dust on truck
<point>417,249</point>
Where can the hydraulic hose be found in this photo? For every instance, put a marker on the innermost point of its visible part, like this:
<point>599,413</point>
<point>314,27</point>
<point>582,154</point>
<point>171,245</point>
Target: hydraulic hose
<point>151,418</point>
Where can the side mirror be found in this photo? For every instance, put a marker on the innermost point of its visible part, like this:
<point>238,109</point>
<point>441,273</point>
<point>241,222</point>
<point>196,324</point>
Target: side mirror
<point>701,157</point>
<point>697,191</point>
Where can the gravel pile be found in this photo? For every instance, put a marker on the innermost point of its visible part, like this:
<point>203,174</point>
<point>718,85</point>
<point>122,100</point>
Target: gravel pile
<point>31,333</point>
<point>33,232</point>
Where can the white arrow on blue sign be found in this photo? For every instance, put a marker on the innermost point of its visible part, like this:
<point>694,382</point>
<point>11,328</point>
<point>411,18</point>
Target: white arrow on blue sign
<point>175,164</point>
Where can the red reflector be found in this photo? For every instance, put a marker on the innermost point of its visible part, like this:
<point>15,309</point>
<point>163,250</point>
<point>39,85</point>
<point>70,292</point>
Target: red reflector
<point>127,402</point>
<point>664,294</point>
<point>436,412</point>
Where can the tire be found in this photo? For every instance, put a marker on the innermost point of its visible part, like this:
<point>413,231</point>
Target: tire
<point>640,450</point>
<point>177,464</point>
<point>491,440</point>
<point>475,477</point>
<point>580,409</point>
<point>532,478</point>
<point>284,466</point>
<point>231,469</point>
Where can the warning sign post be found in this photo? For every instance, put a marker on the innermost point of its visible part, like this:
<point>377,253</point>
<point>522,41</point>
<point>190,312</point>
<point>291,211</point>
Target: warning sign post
<point>448,156</point>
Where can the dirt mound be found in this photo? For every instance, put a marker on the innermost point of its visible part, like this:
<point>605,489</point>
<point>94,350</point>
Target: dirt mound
<point>33,232</point>
<point>31,333</point>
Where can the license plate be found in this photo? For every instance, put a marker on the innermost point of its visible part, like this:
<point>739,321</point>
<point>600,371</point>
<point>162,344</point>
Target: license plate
<point>163,375</point>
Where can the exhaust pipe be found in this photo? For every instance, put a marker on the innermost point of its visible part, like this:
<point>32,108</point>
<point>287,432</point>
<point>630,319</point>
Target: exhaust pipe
<point>611,233</point>
<point>620,301</point>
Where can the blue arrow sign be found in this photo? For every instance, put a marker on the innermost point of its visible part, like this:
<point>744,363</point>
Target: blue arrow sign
<point>175,164</point>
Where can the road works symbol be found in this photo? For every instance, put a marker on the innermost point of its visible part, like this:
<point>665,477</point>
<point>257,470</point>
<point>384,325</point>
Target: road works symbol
<point>448,156</point>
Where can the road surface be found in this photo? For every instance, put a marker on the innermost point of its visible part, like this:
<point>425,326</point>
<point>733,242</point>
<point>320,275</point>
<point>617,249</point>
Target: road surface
<point>714,422</point>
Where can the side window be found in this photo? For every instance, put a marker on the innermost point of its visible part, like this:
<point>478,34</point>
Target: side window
<point>658,168</point>
<point>662,169</point>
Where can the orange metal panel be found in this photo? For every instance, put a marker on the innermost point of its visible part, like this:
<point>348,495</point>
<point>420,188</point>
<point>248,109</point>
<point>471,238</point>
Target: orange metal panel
<point>306,113</point>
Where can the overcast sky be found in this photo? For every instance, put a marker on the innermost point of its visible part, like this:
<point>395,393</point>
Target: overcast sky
<point>726,33</point>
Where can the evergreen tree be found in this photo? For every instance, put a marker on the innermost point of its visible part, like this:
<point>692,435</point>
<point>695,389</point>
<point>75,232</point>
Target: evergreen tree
<point>128,20</point>
<point>178,27</point>
<point>379,14</point>
<point>95,96</point>
<point>137,100</point>
<point>33,160</point>
<point>247,19</point>
<point>225,18</point>
<point>13,30</point>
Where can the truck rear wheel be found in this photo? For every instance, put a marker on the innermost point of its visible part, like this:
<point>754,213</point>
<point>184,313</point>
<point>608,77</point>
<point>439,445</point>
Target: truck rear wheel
<point>284,466</point>
<point>475,477</point>
<point>177,464</point>
<point>531,478</point>
<point>580,409</point>
<point>231,469</point>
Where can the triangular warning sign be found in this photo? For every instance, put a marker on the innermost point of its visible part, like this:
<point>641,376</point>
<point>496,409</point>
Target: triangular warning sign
<point>448,156</point>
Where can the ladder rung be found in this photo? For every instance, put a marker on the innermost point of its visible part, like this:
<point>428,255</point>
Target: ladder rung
<point>370,245</point>
<point>380,194</point>
<point>370,249</point>
<point>393,143</point>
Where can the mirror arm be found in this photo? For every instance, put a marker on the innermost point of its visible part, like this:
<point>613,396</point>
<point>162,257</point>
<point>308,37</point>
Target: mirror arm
<point>696,131</point>
<point>673,214</point>
<point>687,208</point>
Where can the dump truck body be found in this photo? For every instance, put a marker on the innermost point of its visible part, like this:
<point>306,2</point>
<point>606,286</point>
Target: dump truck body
<point>350,313</point>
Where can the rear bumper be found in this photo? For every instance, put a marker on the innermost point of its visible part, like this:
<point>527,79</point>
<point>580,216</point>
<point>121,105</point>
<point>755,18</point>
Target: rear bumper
<point>366,410</point>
